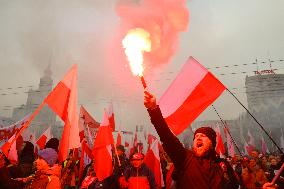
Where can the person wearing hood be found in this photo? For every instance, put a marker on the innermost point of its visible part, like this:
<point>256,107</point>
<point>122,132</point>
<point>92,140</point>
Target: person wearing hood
<point>198,168</point>
<point>137,175</point>
<point>47,175</point>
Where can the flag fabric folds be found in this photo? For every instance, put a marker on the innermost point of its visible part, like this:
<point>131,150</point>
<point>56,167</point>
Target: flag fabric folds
<point>102,150</point>
<point>152,160</point>
<point>264,149</point>
<point>111,117</point>
<point>196,88</point>
<point>220,147</point>
<point>63,101</point>
<point>44,138</point>
<point>230,145</point>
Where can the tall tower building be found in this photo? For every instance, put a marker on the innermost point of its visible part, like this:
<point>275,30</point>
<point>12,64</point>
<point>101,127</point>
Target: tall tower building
<point>46,117</point>
<point>264,91</point>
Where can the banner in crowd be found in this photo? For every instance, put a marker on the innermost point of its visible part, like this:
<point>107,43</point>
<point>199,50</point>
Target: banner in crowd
<point>9,131</point>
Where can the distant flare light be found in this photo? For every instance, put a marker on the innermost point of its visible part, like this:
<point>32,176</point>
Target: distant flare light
<point>136,42</point>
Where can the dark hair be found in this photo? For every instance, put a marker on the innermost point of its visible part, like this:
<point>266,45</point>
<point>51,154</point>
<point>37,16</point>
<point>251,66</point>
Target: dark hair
<point>52,143</point>
<point>27,154</point>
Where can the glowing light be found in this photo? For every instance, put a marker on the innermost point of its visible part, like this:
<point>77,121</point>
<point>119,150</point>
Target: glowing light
<point>136,42</point>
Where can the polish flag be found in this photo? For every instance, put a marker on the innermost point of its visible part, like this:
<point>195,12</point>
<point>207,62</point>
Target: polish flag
<point>102,150</point>
<point>44,138</point>
<point>264,148</point>
<point>220,147</point>
<point>196,88</point>
<point>13,132</point>
<point>63,101</point>
<point>111,117</point>
<point>151,138</point>
<point>88,119</point>
<point>169,180</point>
<point>118,139</point>
<point>230,145</point>
<point>86,157</point>
<point>250,144</point>
<point>152,160</point>
<point>13,155</point>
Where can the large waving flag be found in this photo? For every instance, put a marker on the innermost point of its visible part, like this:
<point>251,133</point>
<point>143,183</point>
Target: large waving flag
<point>152,160</point>
<point>102,150</point>
<point>63,101</point>
<point>196,88</point>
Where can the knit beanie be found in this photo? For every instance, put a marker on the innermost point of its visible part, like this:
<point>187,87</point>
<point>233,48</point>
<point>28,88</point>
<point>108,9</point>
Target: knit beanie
<point>49,155</point>
<point>209,132</point>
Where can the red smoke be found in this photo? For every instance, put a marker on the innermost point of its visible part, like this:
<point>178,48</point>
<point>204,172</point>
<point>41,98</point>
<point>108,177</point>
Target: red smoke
<point>163,19</point>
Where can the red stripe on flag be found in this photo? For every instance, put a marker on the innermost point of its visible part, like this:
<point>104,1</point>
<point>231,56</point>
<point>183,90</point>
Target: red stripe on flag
<point>58,99</point>
<point>202,96</point>
<point>41,141</point>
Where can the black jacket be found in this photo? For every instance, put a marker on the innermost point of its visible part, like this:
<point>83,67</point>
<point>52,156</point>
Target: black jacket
<point>192,172</point>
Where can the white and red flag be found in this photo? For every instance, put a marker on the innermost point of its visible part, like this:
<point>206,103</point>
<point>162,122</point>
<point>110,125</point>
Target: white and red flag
<point>196,88</point>
<point>220,147</point>
<point>119,138</point>
<point>250,145</point>
<point>102,150</point>
<point>111,117</point>
<point>230,145</point>
<point>152,160</point>
<point>88,119</point>
<point>63,101</point>
<point>13,155</point>
<point>264,149</point>
<point>88,122</point>
<point>86,157</point>
<point>12,132</point>
<point>9,131</point>
<point>41,141</point>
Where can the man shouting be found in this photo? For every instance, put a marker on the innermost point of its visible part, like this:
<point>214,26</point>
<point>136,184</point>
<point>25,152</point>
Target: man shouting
<point>199,168</point>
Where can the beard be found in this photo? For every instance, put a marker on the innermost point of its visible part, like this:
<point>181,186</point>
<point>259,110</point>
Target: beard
<point>202,151</point>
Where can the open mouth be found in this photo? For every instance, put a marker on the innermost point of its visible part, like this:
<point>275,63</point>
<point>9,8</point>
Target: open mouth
<point>199,145</point>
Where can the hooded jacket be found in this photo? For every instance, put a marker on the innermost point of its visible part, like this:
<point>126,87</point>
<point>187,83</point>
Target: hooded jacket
<point>46,179</point>
<point>193,172</point>
<point>139,178</point>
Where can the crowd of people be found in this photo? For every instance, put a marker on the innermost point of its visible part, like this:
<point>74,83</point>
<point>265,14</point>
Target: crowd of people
<point>199,167</point>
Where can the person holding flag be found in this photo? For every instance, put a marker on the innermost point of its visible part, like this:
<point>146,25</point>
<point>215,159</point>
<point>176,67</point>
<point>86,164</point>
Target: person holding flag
<point>199,167</point>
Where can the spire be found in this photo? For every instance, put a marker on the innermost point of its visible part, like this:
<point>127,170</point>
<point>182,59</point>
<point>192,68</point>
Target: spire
<point>47,71</point>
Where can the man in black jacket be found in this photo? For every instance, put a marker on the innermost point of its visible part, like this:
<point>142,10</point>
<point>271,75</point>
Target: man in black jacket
<point>199,168</point>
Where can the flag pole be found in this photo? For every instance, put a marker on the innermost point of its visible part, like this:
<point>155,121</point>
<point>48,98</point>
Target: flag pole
<point>118,160</point>
<point>224,125</point>
<point>256,121</point>
<point>278,174</point>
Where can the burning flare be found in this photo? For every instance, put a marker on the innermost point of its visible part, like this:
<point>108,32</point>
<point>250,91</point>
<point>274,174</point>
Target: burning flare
<point>136,42</point>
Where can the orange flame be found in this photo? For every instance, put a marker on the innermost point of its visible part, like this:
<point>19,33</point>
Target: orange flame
<point>136,42</point>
